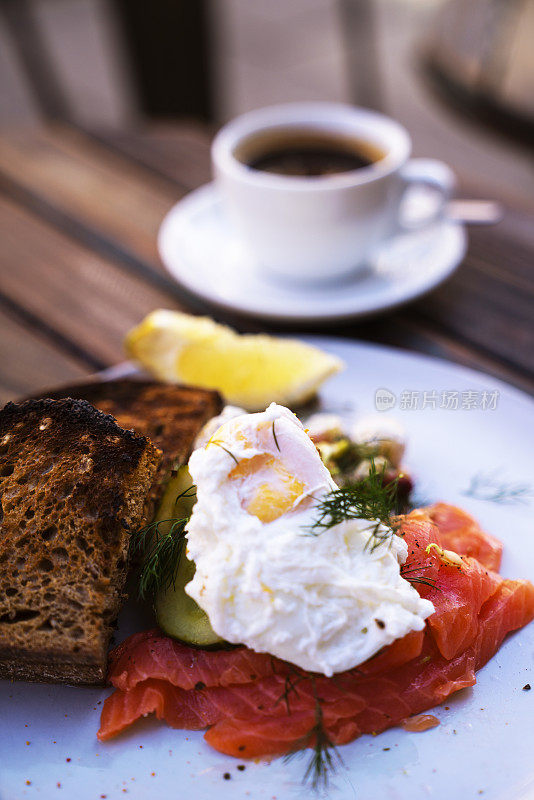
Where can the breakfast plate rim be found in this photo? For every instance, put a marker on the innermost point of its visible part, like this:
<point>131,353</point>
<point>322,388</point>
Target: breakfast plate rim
<point>103,775</point>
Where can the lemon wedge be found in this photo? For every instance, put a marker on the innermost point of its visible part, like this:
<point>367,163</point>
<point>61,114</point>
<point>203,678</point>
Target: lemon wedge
<point>251,371</point>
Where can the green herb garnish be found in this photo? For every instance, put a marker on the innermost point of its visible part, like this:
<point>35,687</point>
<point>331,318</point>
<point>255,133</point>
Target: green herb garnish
<point>325,757</point>
<point>375,500</point>
<point>371,498</point>
<point>291,680</point>
<point>274,437</point>
<point>161,555</point>
<point>487,486</point>
<point>220,444</point>
<point>419,579</point>
<point>160,546</point>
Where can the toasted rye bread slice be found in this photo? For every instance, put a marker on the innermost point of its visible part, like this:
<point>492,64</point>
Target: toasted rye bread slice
<point>169,415</point>
<point>73,485</point>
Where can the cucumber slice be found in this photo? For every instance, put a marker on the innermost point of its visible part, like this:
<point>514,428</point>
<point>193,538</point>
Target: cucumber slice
<point>178,615</point>
<point>175,504</point>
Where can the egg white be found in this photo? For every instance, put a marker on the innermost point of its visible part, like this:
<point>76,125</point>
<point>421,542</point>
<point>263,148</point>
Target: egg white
<point>324,601</point>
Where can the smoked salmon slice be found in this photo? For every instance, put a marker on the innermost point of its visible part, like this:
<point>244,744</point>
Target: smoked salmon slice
<point>387,700</point>
<point>250,720</point>
<point>256,705</point>
<point>151,654</point>
<point>461,533</point>
<point>458,595</point>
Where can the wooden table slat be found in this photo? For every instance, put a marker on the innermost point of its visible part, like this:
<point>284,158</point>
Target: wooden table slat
<point>180,154</point>
<point>409,332</point>
<point>28,361</point>
<point>88,209</point>
<point>488,314</point>
<point>84,298</point>
<point>119,201</point>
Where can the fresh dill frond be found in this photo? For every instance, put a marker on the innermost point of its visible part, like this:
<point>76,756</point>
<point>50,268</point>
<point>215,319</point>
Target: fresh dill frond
<point>191,491</point>
<point>412,574</point>
<point>290,686</point>
<point>419,579</point>
<point>161,553</point>
<point>408,568</point>
<point>488,486</point>
<point>220,444</point>
<point>325,757</point>
<point>159,546</point>
<point>291,680</point>
<point>372,498</point>
<point>379,535</point>
<point>324,760</point>
<point>274,437</point>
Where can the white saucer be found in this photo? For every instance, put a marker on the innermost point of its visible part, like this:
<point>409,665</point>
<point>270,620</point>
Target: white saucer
<point>203,253</point>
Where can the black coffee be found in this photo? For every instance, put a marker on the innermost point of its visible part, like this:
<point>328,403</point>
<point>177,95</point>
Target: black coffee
<point>306,153</point>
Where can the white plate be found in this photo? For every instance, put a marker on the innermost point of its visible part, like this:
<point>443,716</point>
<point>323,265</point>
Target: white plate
<point>484,741</point>
<point>204,254</point>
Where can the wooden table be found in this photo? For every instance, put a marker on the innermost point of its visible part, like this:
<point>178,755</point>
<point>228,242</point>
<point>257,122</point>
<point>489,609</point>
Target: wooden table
<point>79,214</point>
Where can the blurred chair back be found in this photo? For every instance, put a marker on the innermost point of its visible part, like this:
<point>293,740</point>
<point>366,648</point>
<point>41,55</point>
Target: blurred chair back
<point>481,54</point>
<point>169,50</point>
<point>358,27</point>
<point>136,57</point>
<point>39,73</point>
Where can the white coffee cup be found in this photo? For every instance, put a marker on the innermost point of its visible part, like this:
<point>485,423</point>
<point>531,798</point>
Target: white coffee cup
<point>318,228</point>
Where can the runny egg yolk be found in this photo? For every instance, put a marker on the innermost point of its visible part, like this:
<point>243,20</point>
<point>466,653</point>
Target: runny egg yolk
<point>267,489</point>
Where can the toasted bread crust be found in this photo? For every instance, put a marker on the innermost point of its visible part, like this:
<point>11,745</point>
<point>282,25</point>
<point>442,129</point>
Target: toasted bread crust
<point>73,485</point>
<point>43,671</point>
<point>169,415</point>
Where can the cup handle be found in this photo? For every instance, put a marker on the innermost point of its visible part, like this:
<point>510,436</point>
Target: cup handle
<point>439,181</point>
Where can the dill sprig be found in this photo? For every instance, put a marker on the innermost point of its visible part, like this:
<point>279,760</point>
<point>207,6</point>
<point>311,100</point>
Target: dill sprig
<point>419,579</point>
<point>291,680</point>
<point>274,437</point>
<point>220,444</point>
<point>325,757</point>
<point>488,486</point>
<point>412,573</point>
<point>372,498</point>
<point>160,545</point>
<point>161,552</point>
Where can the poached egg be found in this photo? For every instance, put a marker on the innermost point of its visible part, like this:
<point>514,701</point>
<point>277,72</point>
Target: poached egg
<point>322,599</point>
